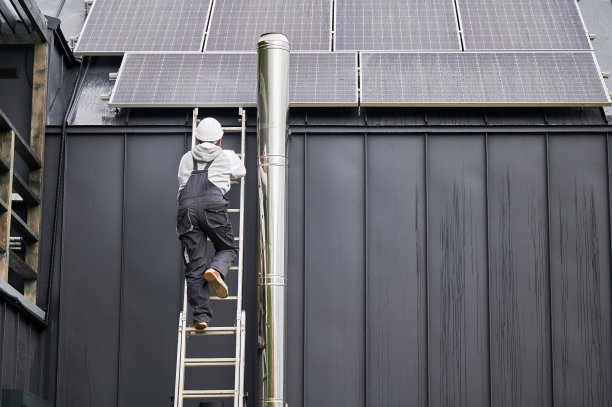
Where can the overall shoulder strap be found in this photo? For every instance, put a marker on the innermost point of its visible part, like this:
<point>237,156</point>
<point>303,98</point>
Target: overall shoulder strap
<point>195,164</point>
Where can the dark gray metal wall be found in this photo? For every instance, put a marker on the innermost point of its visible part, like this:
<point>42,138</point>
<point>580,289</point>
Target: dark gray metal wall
<point>454,267</point>
<point>437,258</point>
<point>450,270</point>
<point>121,281</point>
<point>22,357</point>
<point>464,268</point>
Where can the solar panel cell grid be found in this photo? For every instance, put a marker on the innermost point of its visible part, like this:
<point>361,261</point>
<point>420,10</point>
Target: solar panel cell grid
<point>323,78</point>
<point>528,25</point>
<point>187,80</point>
<point>237,24</point>
<point>394,25</point>
<point>117,26</point>
<point>230,79</point>
<point>486,79</point>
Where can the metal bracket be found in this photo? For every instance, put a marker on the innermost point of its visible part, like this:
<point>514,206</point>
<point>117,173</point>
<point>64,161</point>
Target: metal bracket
<point>87,5</point>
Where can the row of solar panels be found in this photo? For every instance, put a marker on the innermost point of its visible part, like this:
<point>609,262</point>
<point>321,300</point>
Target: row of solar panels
<point>367,78</point>
<point>118,26</point>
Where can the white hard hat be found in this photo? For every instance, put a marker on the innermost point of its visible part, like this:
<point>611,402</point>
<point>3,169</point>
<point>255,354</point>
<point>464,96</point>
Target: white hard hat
<point>209,129</point>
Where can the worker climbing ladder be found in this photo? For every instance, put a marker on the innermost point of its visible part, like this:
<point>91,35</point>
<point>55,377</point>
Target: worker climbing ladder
<point>186,333</point>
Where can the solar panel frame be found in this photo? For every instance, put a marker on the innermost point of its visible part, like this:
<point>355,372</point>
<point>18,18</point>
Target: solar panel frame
<point>452,19</point>
<point>215,16</point>
<point>302,101</point>
<point>462,82</point>
<point>468,26</point>
<point>84,34</point>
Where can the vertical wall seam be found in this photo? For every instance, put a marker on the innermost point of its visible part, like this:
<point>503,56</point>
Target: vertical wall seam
<point>16,347</point>
<point>365,268</point>
<point>426,273</point>
<point>2,340</point>
<point>61,275</point>
<point>550,305</point>
<point>28,386</point>
<point>121,267</point>
<point>304,223</point>
<point>609,207</point>
<point>304,300</point>
<point>488,266</point>
<point>42,346</point>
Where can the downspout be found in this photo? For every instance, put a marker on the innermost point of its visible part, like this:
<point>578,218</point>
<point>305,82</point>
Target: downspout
<point>272,110</point>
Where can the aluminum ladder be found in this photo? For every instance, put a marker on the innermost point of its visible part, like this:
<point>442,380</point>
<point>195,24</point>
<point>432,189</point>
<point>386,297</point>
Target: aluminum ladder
<point>238,330</point>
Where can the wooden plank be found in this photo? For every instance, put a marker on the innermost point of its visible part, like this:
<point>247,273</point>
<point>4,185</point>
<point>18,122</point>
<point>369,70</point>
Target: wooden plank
<point>7,144</point>
<point>37,145</point>
<point>24,190</point>
<point>11,21</point>
<point>22,229</point>
<point>4,165</point>
<point>19,39</point>
<point>20,267</point>
<point>21,147</point>
<point>21,14</point>
<point>24,150</point>
<point>36,17</point>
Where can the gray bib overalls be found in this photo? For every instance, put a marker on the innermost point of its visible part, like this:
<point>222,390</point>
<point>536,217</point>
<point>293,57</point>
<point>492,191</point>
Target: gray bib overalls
<point>203,213</point>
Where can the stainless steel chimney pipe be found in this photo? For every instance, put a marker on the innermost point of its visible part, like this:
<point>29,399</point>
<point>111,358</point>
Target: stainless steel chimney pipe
<point>272,110</point>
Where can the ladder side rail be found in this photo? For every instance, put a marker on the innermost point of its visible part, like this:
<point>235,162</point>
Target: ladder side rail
<point>179,342</point>
<point>242,354</point>
<point>237,379</point>
<point>181,386</point>
<point>180,352</point>
<point>194,126</point>
<point>241,230</point>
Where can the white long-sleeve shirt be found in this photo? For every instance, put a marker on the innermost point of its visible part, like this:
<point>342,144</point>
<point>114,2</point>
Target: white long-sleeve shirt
<point>225,167</point>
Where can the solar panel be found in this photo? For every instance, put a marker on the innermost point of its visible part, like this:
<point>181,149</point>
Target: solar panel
<point>117,26</point>
<point>482,79</point>
<point>525,25</point>
<point>393,25</point>
<point>323,79</point>
<point>186,80</point>
<point>230,79</point>
<point>236,25</point>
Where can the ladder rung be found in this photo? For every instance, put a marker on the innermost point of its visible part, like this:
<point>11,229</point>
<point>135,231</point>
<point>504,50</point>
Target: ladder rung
<point>208,394</point>
<point>202,362</point>
<point>232,129</point>
<point>228,298</point>
<point>214,331</point>
<point>236,239</point>
<point>235,182</point>
<point>233,268</point>
<point>233,211</point>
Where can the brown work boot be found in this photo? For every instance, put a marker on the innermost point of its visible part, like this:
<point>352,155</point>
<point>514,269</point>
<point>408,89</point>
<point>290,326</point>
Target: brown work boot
<point>201,325</point>
<point>214,278</point>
